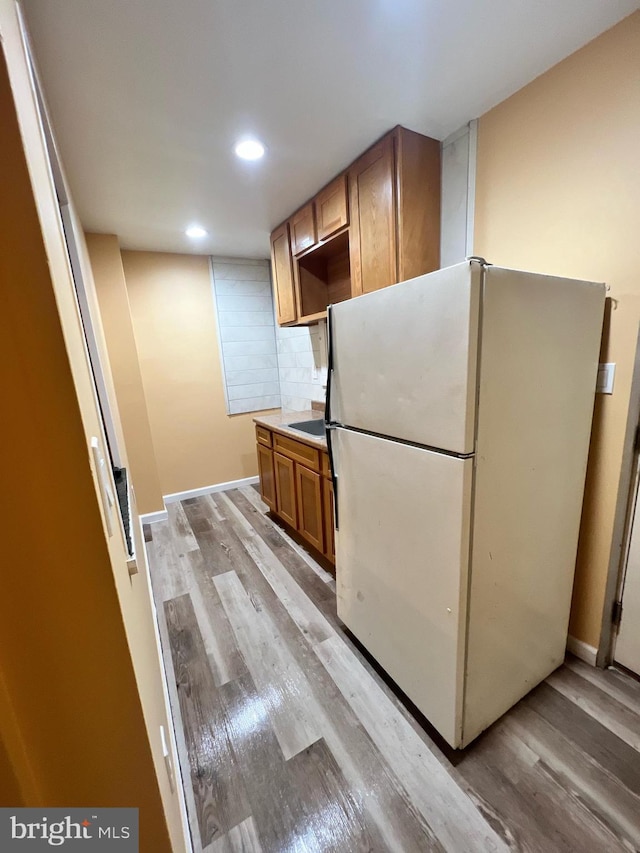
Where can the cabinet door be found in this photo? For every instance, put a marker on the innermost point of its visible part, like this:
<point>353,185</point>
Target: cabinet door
<point>285,489</point>
<point>329,532</point>
<point>282,274</point>
<point>303,229</point>
<point>372,237</point>
<point>332,208</point>
<point>267,480</point>
<point>310,506</point>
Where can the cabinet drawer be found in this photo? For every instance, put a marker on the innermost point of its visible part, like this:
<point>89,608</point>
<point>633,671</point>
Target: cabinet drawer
<point>332,208</point>
<point>326,468</point>
<point>263,436</point>
<point>309,456</point>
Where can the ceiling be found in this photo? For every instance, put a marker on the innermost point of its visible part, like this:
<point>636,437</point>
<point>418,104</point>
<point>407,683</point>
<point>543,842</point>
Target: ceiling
<point>148,97</point>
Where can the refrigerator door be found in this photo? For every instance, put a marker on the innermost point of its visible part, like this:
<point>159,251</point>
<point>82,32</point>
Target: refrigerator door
<point>402,551</point>
<point>404,359</point>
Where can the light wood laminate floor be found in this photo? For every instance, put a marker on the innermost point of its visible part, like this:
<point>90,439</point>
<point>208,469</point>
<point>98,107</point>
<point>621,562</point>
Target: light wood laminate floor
<point>290,740</point>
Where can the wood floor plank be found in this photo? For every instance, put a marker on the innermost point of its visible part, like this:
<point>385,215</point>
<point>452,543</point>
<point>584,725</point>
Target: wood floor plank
<point>283,690</point>
<point>430,787</point>
<point>170,577</point>
<point>588,734</point>
<point>302,803</point>
<point>220,550</point>
<point>220,796</point>
<point>387,810</point>
<point>183,774</point>
<point>622,690</point>
<point>543,815</point>
<point>262,508</point>
<point>306,616</point>
<point>225,658</point>
<point>315,587</point>
<point>601,793</point>
<point>332,818</point>
<point>241,839</point>
<point>181,529</point>
<point>595,702</point>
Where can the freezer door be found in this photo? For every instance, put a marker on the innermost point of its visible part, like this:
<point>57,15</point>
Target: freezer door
<point>404,359</point>
<point>402,553</point>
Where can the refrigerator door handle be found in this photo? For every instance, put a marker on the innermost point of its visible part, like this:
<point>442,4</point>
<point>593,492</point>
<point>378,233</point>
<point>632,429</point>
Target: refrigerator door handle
<point>327,402</point>
<point>328,423</point>
<point>328,428</point>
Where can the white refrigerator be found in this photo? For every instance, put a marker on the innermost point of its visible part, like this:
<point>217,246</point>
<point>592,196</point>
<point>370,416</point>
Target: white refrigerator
<point>459,409</point>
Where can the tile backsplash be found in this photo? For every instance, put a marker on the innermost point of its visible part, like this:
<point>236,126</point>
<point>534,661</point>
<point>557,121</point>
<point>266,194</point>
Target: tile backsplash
<point>264,366</point>
<point>302,365</point>
<point>246,327</point>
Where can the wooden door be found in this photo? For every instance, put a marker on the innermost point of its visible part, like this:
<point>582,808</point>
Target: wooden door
<point>332,208</point>
<point>267,478</point>
<point>303,229</point>
<point>329,531</point>
<point>285,489</point>
<point>282,274</point>
<point>310,506</point>
<point>372,234</point>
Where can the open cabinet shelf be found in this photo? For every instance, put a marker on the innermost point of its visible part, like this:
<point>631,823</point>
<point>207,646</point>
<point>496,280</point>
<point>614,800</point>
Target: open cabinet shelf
<point>323,277</point>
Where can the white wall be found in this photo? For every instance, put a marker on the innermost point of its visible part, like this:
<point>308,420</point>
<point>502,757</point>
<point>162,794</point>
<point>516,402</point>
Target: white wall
<point>458,195</point>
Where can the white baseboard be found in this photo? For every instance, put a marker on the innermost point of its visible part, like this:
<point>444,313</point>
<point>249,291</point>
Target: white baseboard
<point>207,490</point>
<point>151,517</point>
<point>582,650</point>
<point>163,515</point>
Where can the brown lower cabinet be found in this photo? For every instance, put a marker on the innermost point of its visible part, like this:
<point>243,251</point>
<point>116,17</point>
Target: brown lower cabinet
<point>295,484</point>
<point>285,488</point>
<point>267,476</point>
<point>310,506</point>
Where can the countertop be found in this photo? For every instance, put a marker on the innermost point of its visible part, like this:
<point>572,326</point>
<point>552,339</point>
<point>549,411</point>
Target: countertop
<point>279,421</point>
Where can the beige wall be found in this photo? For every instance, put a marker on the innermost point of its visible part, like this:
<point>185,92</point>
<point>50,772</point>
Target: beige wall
<point>108,274</point>
<point>197,444</point>
<point>558,191</point>
<point>81,691</point>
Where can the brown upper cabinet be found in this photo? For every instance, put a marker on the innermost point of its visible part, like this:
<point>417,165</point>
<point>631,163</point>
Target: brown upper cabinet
<point>282,276</point>
<point>303,229</point>
<point>372,246</point>
<point>376,224</point>
<point>332,208</point>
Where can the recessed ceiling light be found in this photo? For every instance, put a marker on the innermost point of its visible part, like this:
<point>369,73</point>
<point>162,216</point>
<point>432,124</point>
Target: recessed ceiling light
<point>196,232</point>
<point>249,149</point>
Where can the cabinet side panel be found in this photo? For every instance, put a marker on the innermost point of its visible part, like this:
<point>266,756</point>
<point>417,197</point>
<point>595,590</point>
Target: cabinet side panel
<point>418,175</point>
<point>538,365</point>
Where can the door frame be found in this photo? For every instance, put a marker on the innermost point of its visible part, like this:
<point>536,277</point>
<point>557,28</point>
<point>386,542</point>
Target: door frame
<point>623,519</point>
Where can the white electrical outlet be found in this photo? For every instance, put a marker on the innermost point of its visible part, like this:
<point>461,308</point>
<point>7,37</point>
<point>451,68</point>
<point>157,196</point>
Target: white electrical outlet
<point>606,375</point>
